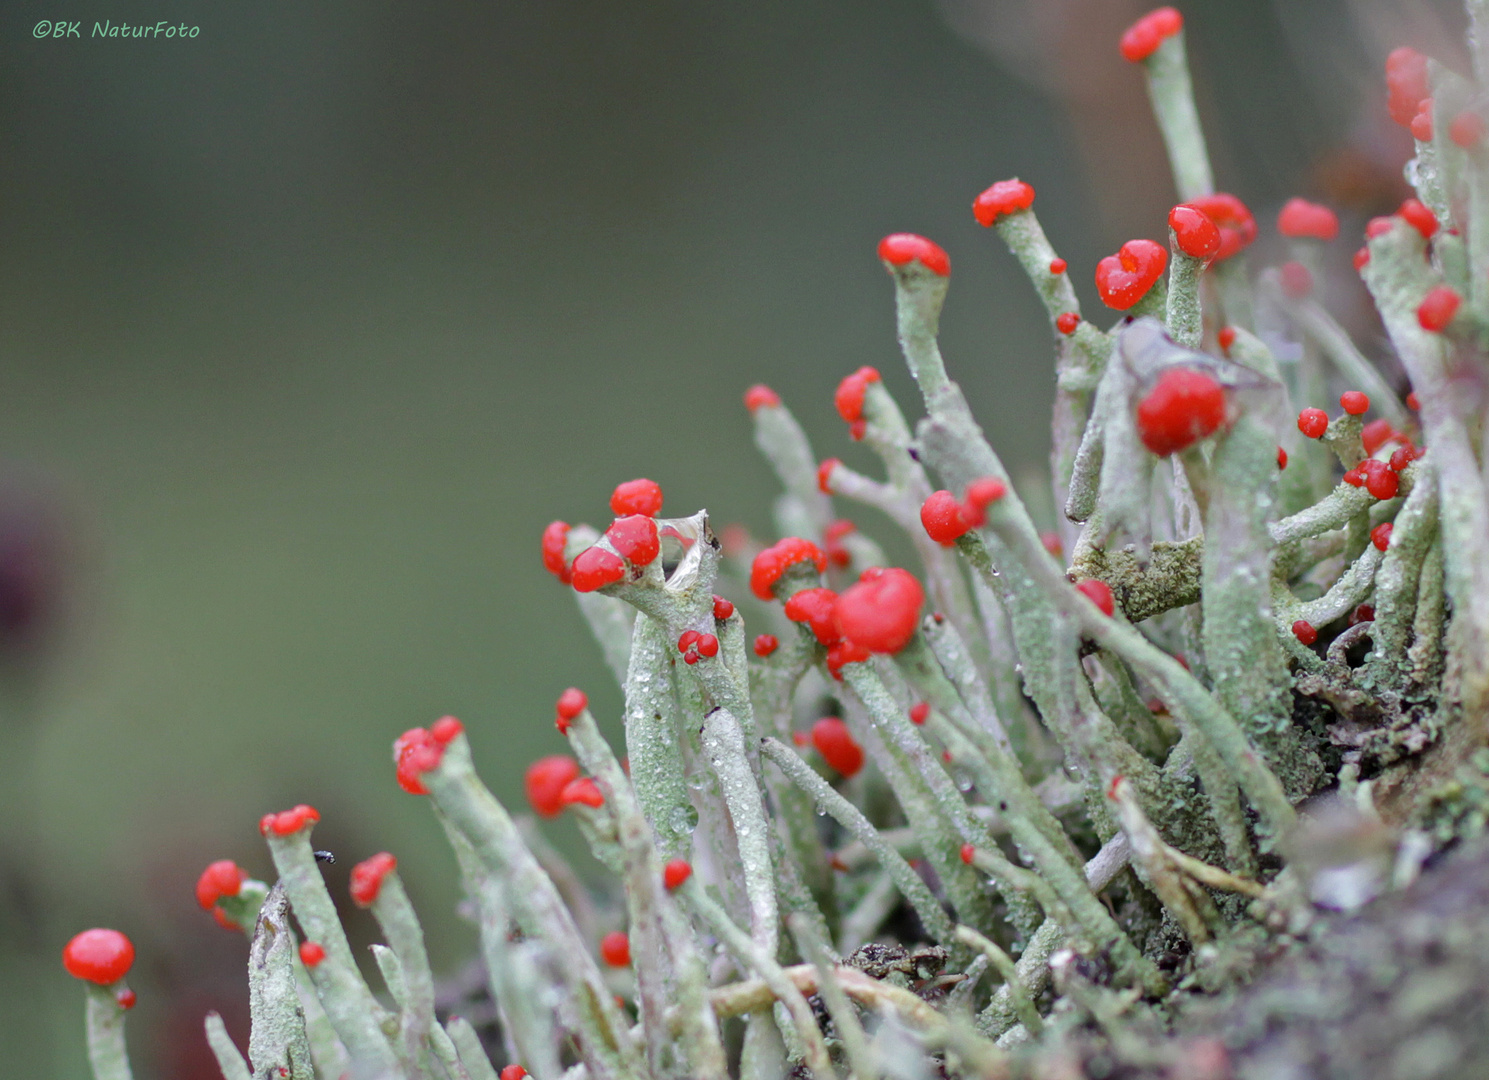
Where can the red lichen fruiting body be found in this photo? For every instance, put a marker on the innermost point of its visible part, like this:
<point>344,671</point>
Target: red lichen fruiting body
<point>1305,632</point>
<point>1183,407</point>
<point>1467,129</point>
<point>635,539</point>
<point>581,790</point>
<point>1142,38</point>
<point>98,956</point>
<point>920,712</point>
<point>1416,214</point>
<point>615,949</point>
<point>881,611</point>
<point>1421,124</point>
<point>1406,83</point>
<point>1194,233</point>
<point>982,493</point>
<point>640,496</point>
<point>512,1072</point>
<point>775,560</point>
<point>1226,336</point>
<point>415,753</point>
<point>291,820</point>
<point>1057,266</point>
<point>595,568</point>
<point>815,607</point>
<point>1100,594</point>
<point>1066,322</point>
<point>1003,198</point>
<point>1376,434</point>
<point>1380,536</point>
<point>1300,218</point>
<point>222,878</point>
<point>1313,423</point>
<point>1354,402</point>
<point>311,954</point>
<point>1437,308</point>
<point>760,397</point>
<point>841,653</point>
<point>675,873</point>
<point>1380,480</point>
<point>1296,279</point>
<point>765,644</point>
<point>900,249</point>
<point>368,875</point>
<point>555,537</point>
<point>1232,217</point>
<point>1125,278</point>
<point>848,398</point>
<point>837,746</point>
<point>545,781</point>
<point>1281,458</point>
<point>571,703</point>
<point>722,608</point>
<point>941,516</point>
<point>824,474</point>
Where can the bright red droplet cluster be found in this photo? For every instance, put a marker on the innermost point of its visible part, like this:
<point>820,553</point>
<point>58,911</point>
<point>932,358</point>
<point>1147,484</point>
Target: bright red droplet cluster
<point>98,956</point>
<point>1313,423</point>
<point>1183,407</point>
<point>1415,213</point>
<point>837,746</point>
<point>1406,84</point>
<point>222,878</point>
<point>367,877</point>
<point>635,539</point>
<point>1380,536</point>
<point>1066,322</point>
<point>1100,594</point>
<point>775,560</point>
<point>881,611</point>
<point>722,608</point>
<point>1354,402</point>
<point>1003,198</point>
<point>1305,632</point>
<point>1301,218</point>
<point>555,538</point>
<point>760,397</point>
<point>581,790</point>
<point>898,249</point>
<point>418,751</point>
<point>766,644</point>
<point>1194,233</point>
<point>545,781</point>
<point>675,873</point>
<point>615,949</point>
<point>640,496</point>
<point>1125,278</point>
<point>941,516</point>
<point>1236,224</point>
<point>311,954</point>
<point>1142,38</point>
<point>288,821</point>
<point>571,703</point>
<point>1437,308</point>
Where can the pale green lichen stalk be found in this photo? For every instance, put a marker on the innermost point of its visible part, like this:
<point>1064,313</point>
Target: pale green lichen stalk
<point>1081,771</point>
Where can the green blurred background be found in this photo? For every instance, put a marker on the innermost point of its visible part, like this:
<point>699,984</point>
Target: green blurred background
<point>310,324</point>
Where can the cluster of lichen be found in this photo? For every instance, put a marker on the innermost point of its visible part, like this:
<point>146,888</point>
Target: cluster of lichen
<point>1078,770</point>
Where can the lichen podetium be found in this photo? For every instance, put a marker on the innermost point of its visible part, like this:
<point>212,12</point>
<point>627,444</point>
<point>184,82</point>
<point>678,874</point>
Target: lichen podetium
<point>930,795</point>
